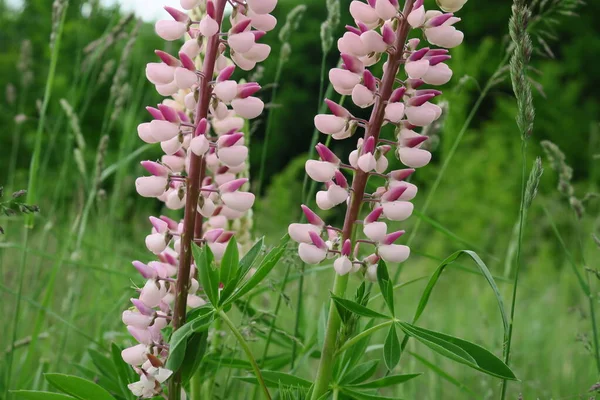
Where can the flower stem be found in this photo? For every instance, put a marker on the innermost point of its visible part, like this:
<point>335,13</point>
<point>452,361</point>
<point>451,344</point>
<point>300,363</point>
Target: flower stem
<point>248,352</point>
<point>192,223</point>
<point>359,184</point>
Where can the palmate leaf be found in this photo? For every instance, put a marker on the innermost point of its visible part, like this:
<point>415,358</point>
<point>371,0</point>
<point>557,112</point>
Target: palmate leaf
<point>178,343</point>
<point>360,373</point>
<point>194,354</point>
<point>208,275</point>
<point>461,351</point>
<point>443,374</point>
<point>78,387</point>
<point>263,269</point>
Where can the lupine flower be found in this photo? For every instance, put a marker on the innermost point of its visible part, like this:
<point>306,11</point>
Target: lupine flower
<point>402,97</point>
<point>188,140</point>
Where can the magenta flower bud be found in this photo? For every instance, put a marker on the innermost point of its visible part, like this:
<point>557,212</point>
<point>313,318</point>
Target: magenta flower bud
<point>401,174</point>
<point>229,140</point>
<point>212,235</point>
<point>353,64</point>
<point>169,113</point>
<point>159,225</point>
<point>388,34</point>
<point>177,15</point>
<point>414,141</point>
<point>435,60</point>
<point>226,73</point>
<point>210,9</point>
<point>144,270</point>
<point>326,154</point>
<point>312,217</point>
<point>369,80</point>
<point>317,240</point>
<point>155,168</point>
<point>369,145</point>
<point>240,26</point>
<point>353,29</point>
<point>418,54</point>
<point>337,110</point>
<point>392,237</point>
<point>202,127</point>
<point>346,248</point>
<point>374,215</point>
<point>397,95</point>
<point>247,89</point>
<point>417,101</point>
<point>439,20</point>
<point>167,58</point>
<point>393,194</point>
<point>232,186</point>
<point>170,30</point>
<point>187,62</point>
<point>142,308</point>
<point>155,113</point>
<point>341,180</point>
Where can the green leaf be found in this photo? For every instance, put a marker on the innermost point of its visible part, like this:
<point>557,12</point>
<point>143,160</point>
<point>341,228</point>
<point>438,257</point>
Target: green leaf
<point>353,354</point>
<point>275,379</point>
<point>124,372</point>
<point>485,272</point>
<point>34,395</point>
<point>267,264</point>
<point>386,286</point>
<point>104,364</point>
<point>361,373</point>
<point>209,276</point>
<point>78,387</point>
<point>177,347</point>
<point>391,349</point>
<point>356,308</point>
<point>386,381</point>
<point>229,262</point>
<point>461,351</point>
<point>244,266</point>
<point>194,353</point>
<point>355,394</point>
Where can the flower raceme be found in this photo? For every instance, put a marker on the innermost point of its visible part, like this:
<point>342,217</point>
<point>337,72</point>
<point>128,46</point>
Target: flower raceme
<point>403,98</point>
<point>199,127</point>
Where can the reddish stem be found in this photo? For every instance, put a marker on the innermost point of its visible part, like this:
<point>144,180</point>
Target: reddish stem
<point>192,224</point>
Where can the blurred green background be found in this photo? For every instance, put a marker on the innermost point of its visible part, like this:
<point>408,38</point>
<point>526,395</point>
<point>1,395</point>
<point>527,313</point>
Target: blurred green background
<point>78,274</point>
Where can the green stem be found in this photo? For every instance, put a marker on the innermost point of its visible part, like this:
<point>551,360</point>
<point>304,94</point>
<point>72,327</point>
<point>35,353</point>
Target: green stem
<point>362,335</point>
<point>522,217</point>
<point>248,352</point>
<point>265,147</point>
<point>39,135</point>
<point>327,354</point>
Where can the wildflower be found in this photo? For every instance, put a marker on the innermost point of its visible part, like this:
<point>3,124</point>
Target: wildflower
<point>204,167</point>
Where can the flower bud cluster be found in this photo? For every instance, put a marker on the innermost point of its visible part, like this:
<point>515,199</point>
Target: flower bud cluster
<point>402,97</point>
<point>217,139</point>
